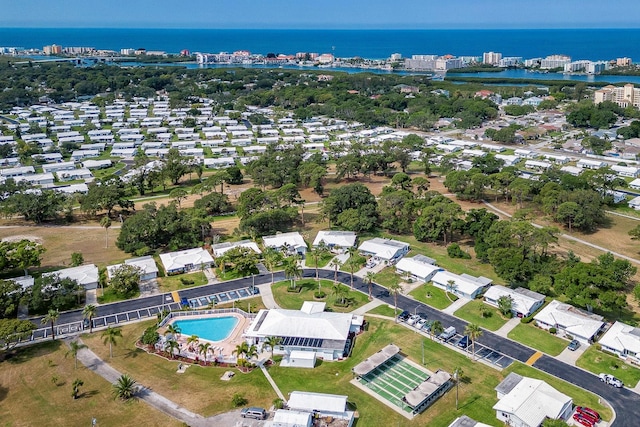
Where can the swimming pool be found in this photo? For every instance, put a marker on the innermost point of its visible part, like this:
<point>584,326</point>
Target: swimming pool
<point>212,328</point>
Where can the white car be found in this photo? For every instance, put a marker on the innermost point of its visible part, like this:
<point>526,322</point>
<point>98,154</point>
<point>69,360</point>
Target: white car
<point>611,380</point>
<point>420,323</point>
<point>413,319</point>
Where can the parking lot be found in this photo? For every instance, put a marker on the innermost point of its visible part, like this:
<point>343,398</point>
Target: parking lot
<point>482,353</point>
<point>222,297</point>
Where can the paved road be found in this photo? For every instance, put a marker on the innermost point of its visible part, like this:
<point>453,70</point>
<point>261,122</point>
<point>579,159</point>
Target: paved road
<point>625,402</point>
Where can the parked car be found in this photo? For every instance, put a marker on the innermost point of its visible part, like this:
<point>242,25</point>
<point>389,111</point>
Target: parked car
<point>573,345</point>
<point>402,317</point>
<point>588,411</point>
<point>420,323</point>
<point>582,420</point>
<point>448,333</point>
<point>254,412</point>
<point>611,380</point>
<point>413,319</point>
<point>464,342</point>
<point>588,417</point>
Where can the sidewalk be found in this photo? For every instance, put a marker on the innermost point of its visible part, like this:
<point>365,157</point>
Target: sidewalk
<point>368,306</point>
<point>267,296</point>
<point>97,365</point>
<point>455,306</point>
<point>508,327</point>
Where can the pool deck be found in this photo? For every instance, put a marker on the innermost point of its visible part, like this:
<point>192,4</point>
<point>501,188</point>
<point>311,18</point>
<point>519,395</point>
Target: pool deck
<point>223,348</point>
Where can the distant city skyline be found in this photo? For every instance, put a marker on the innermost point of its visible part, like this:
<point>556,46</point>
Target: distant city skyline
<point>329,14</point>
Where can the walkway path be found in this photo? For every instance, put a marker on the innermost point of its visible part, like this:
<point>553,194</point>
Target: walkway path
<point>568,237</point>
<point>272,382</point>
<point>456,305</point>
<point>89,359</point>
<point>368,306</point>
<point>267,296</point>
<point>508,327</point>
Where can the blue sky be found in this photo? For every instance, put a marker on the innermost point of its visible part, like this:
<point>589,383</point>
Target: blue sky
<point>376,14</point>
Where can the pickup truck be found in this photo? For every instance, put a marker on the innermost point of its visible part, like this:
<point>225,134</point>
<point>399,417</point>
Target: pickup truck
<point>611,380</point>
<point>448,333</point>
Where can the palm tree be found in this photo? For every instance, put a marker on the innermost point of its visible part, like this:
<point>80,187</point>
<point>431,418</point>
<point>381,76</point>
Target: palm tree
<point>292,270</point>
<point>272,258</point>
<point>74,348</point>
<point>340,292</point>
<point>351,261</point>
<point>437,328</point>
<point>125,387</point>
<point>110,336</point>
<point>173,329</point>
<point>193,339</point>
<point>89,312</point>
<point>170,346</point>
<point>77,383</point>
<point>474,332</point>
<point>252,351</point>
<point>272,342</point>
<point>335,263</point>
<point>106,223</point>
<point>240,350</point>
<point>451,288</point>
<point>395,289</point>
<point>368,278</point>
<point>203,349</point>
<point>317,253</point>
<point>51,317</point>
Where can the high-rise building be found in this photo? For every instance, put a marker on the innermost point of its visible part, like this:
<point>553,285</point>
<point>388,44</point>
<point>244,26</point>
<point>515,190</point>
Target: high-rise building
<point>554,61</point>
<point>623,62</point>
<point>491,58</point>
<point>624,96</point>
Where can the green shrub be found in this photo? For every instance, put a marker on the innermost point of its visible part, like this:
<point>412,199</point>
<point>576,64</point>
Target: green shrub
<point>278,403</point>
<point>553,331</point>
<point>186,281</point>
<point>527,319</point>
<point>238,399</point>
<point>319,294</point>
<point>454,251</point>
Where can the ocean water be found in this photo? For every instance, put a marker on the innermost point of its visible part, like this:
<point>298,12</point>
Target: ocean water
<point>593,44</point>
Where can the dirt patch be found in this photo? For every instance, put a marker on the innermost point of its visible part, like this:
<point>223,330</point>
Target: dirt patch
<point>19,237</point>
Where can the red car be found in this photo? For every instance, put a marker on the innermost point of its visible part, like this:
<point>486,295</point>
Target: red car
<point>589,413</point>
<point>582,420</point>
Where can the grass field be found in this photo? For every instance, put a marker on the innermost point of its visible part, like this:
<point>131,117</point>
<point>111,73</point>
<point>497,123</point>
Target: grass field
<point>596,361</point>
<point>294,300</point>
<point>537,338</point>
<point>384,310</point>
<point>174,283</point>
<point>432,296</point>
<point>387,276</point>
<point>30,397</point>
<point>255,304</point>
<point>323,260</point>
<point>471,312</point>
<point>199,389</point>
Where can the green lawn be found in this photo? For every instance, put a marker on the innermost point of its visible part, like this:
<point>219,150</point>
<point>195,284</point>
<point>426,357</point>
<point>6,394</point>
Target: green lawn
<point>359,261</point>
<point>471,312</point>
<point>580,396</point>
<point>387,276</point>
<point>384,310</point>
<point>596,361</point>
<point>294,300</point>
<point>432,296</point>
<point>174,283</point>
<point>227,275</point>
<point>537,338</point>
<point>323,260</point>
<point>108,295</point>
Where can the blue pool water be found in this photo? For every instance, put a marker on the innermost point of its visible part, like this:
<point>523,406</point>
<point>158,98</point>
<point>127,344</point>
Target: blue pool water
<point>212,329</point>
